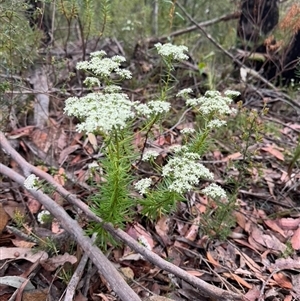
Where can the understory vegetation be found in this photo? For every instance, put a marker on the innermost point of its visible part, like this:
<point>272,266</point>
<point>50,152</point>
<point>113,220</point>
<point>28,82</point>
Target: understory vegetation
<point>156,123</point>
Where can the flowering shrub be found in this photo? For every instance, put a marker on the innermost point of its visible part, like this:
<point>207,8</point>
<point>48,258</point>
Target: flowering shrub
<point>111,113</point>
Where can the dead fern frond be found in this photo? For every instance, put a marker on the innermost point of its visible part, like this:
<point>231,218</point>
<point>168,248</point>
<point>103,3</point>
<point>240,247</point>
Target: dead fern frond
<point>291,21</point>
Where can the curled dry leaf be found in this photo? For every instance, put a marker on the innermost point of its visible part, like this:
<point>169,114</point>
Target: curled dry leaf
<point>295,240</point>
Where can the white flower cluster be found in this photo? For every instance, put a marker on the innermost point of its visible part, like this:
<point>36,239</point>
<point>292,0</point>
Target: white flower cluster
<point>150,154</point>
<point>43,216</point>
<point>215,192</point>
<point>153,107</point>
<point>185,172</point>
<point>91,81</point>
<point>187,131</point>
<point>31,182</point>
<point>142,185</point>
<point>212,103</point>
<point>112,89</point>
<point>103,66</point>
<point>172,51</point>
<point>184,93</point>
<point>231,93</point>
<point>100,111</point>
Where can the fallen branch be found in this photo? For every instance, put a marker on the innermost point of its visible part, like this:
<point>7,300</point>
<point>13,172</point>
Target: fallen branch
<point>179,32</point>
<point>205,288</point>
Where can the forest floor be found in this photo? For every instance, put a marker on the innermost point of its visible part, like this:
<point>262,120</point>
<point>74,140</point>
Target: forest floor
<point>259,256</point>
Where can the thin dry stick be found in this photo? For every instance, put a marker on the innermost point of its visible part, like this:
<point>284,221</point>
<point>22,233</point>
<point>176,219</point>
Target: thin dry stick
<point>71,288</point>
<point>205,288</point>
<point>193,27</point>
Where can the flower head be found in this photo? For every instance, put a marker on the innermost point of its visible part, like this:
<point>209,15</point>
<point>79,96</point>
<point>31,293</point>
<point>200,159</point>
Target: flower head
<point>153,107</point>
<point>31,182</point>
<point>103,66</point>
<point>100,112</point>
<point>43,216</point>
<point>184,93</point>
<point>143,185</point>
<point>214,191</point>
<point>91,81</point>
<point>212,103</point>
<point>172,51</point>
<point>187,131</point>
<point>150,154</point>
<point>185,172</point>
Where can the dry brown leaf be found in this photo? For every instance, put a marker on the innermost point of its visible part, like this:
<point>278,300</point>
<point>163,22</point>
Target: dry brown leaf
<point>128,273</point>
<point>33,205</point>
<point>285,263</point>
<point>212,260</point>
<point>233,157</point>
<point>22,253</point>
<point>289,223</point>
<point>274,152</point>
<point>66,152</point>
<point>238,279</point>
<point>93,141</point>
<point>268,241</point>
<point>137,231</point>
<point>282,280</point>
<point>51,264</point>
<point>22,243</point>
<point>162,229</point>
<point>253,294</point>
<point>240,219</point>
<point>3,218</point>
<point>193,230</point>
<point>272,224</point>
<point>295,240</point>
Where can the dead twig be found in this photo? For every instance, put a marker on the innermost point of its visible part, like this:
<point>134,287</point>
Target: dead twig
<point>71,288</point>
<point>179,32</point>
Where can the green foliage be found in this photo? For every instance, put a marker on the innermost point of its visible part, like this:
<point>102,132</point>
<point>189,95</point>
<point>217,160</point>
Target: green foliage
<point>19,43</point>
<point>113,203</point>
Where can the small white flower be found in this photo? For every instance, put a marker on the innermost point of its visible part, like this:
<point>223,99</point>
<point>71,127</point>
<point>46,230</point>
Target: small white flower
<point>231,93</point>
<point>187,131</point>
<point>172,51</point>
<point>103,66</point>
<point>184,93</point>
<point>143,109</point>
<point>93,165</point>
<point>91,81</point>
<point>212,103</point>
<point>185,172</point>
<point>112,89</point>
<point>150,154</point>
<point>31,182</point>
<point>159,107</point>
<point>99,53</point>
<point>43,216</point>
<point>153,107</point>
<point>216,123</point>
<point>144,242</point>
<point>143,185</point>
<point>214,191</point>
